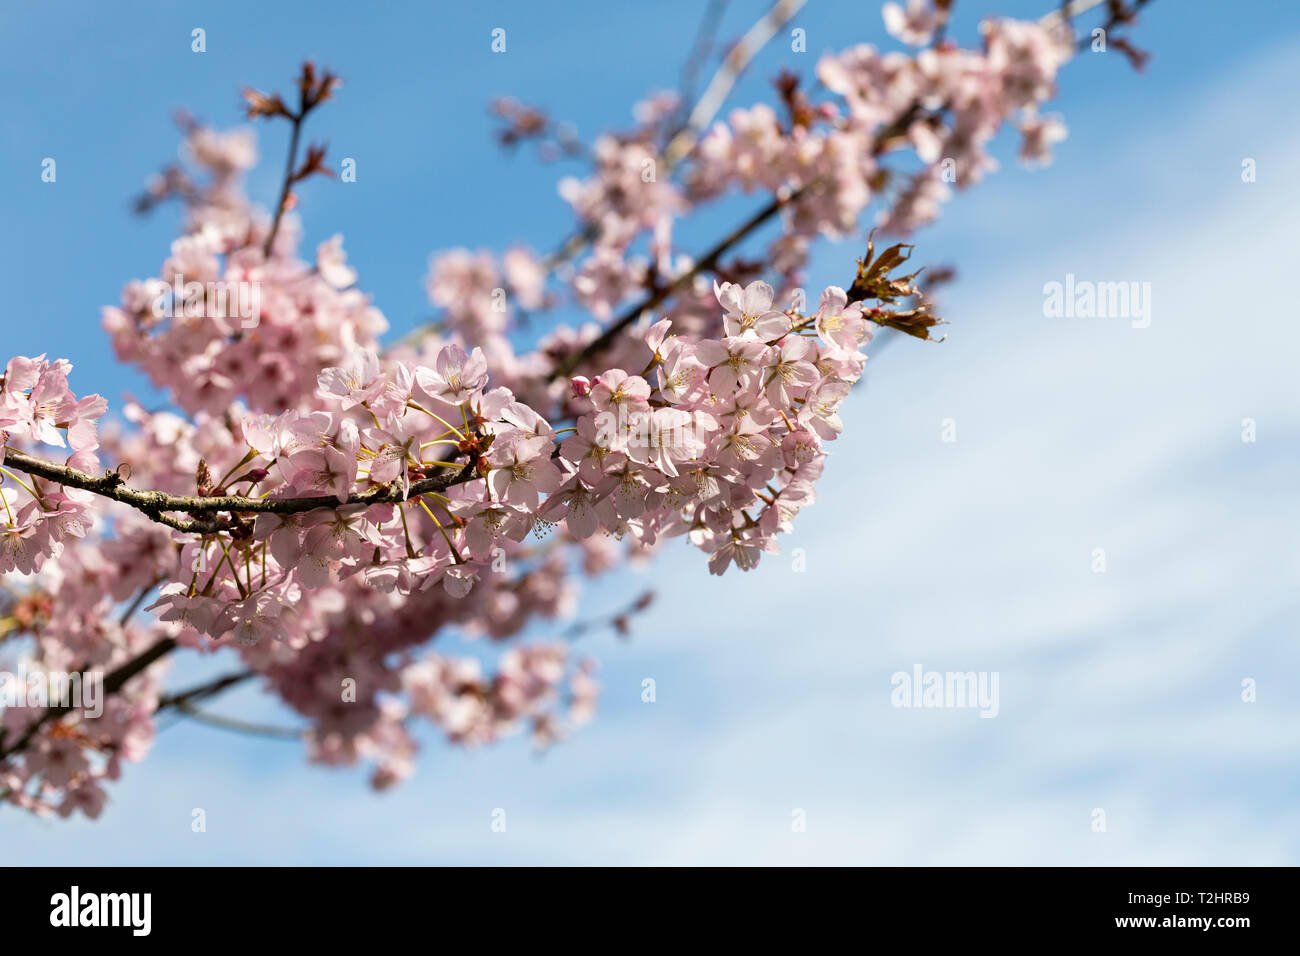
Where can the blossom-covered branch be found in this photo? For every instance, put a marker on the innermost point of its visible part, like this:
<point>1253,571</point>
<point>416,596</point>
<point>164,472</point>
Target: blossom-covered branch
<point>321,506</point>
<point>157,504</point>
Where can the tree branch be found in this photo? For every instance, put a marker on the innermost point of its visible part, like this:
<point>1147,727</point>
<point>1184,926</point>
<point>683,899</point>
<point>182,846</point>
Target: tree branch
<point>289,168</point>
<point>313,89</point>
<point>155,504</point>
<point>202,691</point>
<point>113,683</point>
<point>240,726</point>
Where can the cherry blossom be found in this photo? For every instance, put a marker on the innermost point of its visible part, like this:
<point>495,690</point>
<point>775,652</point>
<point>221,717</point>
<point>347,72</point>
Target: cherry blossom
<point>321,506</point>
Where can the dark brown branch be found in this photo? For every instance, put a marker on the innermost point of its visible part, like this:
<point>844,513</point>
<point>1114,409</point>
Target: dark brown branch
<point>155,504</point>
<point>202,691</point>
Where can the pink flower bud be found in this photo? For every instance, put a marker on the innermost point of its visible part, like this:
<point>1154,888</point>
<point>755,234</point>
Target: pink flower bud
<point>580,385</point>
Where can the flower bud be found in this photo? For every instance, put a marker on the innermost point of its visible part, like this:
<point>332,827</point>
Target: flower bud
<point>580,385</point>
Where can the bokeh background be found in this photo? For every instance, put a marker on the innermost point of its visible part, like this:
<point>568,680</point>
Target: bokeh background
<point>1120,691</point>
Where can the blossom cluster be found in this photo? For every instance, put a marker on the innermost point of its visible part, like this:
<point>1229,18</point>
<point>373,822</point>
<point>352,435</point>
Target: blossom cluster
<point>723,443</point>
<point>36,405</point>
<point>897,130</point>
<point>321,507</point>
<point>202,346</point>
<point>725,446</point>
<point>726,442</point>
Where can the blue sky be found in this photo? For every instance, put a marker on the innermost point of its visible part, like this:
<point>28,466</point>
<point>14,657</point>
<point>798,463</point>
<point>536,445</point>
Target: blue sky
<point>1118,691</point>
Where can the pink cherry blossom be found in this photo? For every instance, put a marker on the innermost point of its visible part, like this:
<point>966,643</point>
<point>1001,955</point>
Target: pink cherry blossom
<point>455,375</point>
<point>750,310</point>
<point>323,505</point>
<point>522,470</point>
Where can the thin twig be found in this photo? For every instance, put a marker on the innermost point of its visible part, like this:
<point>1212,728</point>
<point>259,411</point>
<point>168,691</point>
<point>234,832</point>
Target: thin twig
<point>139,599</point>
<point>701,48</point>
<point>715,94</point>
<point>241,726</point>
<point>203,691</point>
<point>290,166</point>
<point>1068,12</point>
<point>313,89</point>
